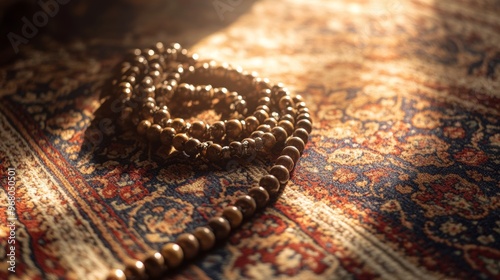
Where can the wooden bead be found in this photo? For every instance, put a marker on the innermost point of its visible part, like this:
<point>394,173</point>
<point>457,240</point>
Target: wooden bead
<point>271,122</point>
<point>135,270</point>
<point>220,226</point>
<point>289,111</point>
<point>300,104</point>
<point>154,265</point>
<point>264,101</point>
<point>217,130</point>
<point>246,204</point>
<point>236,149</point>
<point>303,110</point>
<point>263,107</point>
<point>233,216</point>
<point>116,274</point>
<point>281,173</point>
<point>179,140</point>
<point>305,124</point>
<point>167,135</point>
<point>189,244</point>
<point>214,152</point>
<point>153,133</point>
<point>143,127</point>
<point>197,129</point>
<point>260,195</point>
<point>125,114</point>
<point>279,94</point>
<point>233,128</point>
<point>205,237</point>
<point>287,117</point>
<point>231,97</point>
<point>302,134</point>
<point>264,128</point>
<point>256,134</point>
<point>248,146</point>
<point>287,162</point>
<point>296,142</point>
<point>172,254</point>
<point>304,116</point>
<point>178,124</point>
<point>269,140</point>
<point>184,91</point>
<point>261,115</point>
<point>285,101</point>
<point>241,107</point>
<point>161,115</point>
<point>287,125</point>
<point>192,147</point>
<point>280,134</point>
<point>270,183</point>
<point>252,123</point>
<point>292,152</point>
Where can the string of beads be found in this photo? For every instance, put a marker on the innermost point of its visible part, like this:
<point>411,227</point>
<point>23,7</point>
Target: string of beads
<point>152,85</point>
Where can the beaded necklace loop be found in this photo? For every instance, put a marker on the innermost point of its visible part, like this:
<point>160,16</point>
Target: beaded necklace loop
<point>154,84</point>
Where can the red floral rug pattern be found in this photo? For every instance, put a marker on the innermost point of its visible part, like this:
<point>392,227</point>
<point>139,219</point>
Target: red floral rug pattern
<point>400,178</point>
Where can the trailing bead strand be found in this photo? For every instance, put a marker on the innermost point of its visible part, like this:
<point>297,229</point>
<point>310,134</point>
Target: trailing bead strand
<point>153,85</point>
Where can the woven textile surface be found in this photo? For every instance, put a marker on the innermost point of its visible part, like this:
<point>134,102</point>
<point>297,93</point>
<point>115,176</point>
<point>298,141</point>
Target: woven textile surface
<point>400,178</point>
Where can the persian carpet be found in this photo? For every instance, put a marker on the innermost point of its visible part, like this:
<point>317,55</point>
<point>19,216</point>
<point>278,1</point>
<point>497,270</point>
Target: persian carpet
<point>400,178</point>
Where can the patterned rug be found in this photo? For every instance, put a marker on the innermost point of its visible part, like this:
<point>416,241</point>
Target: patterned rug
<point>400,178</point>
